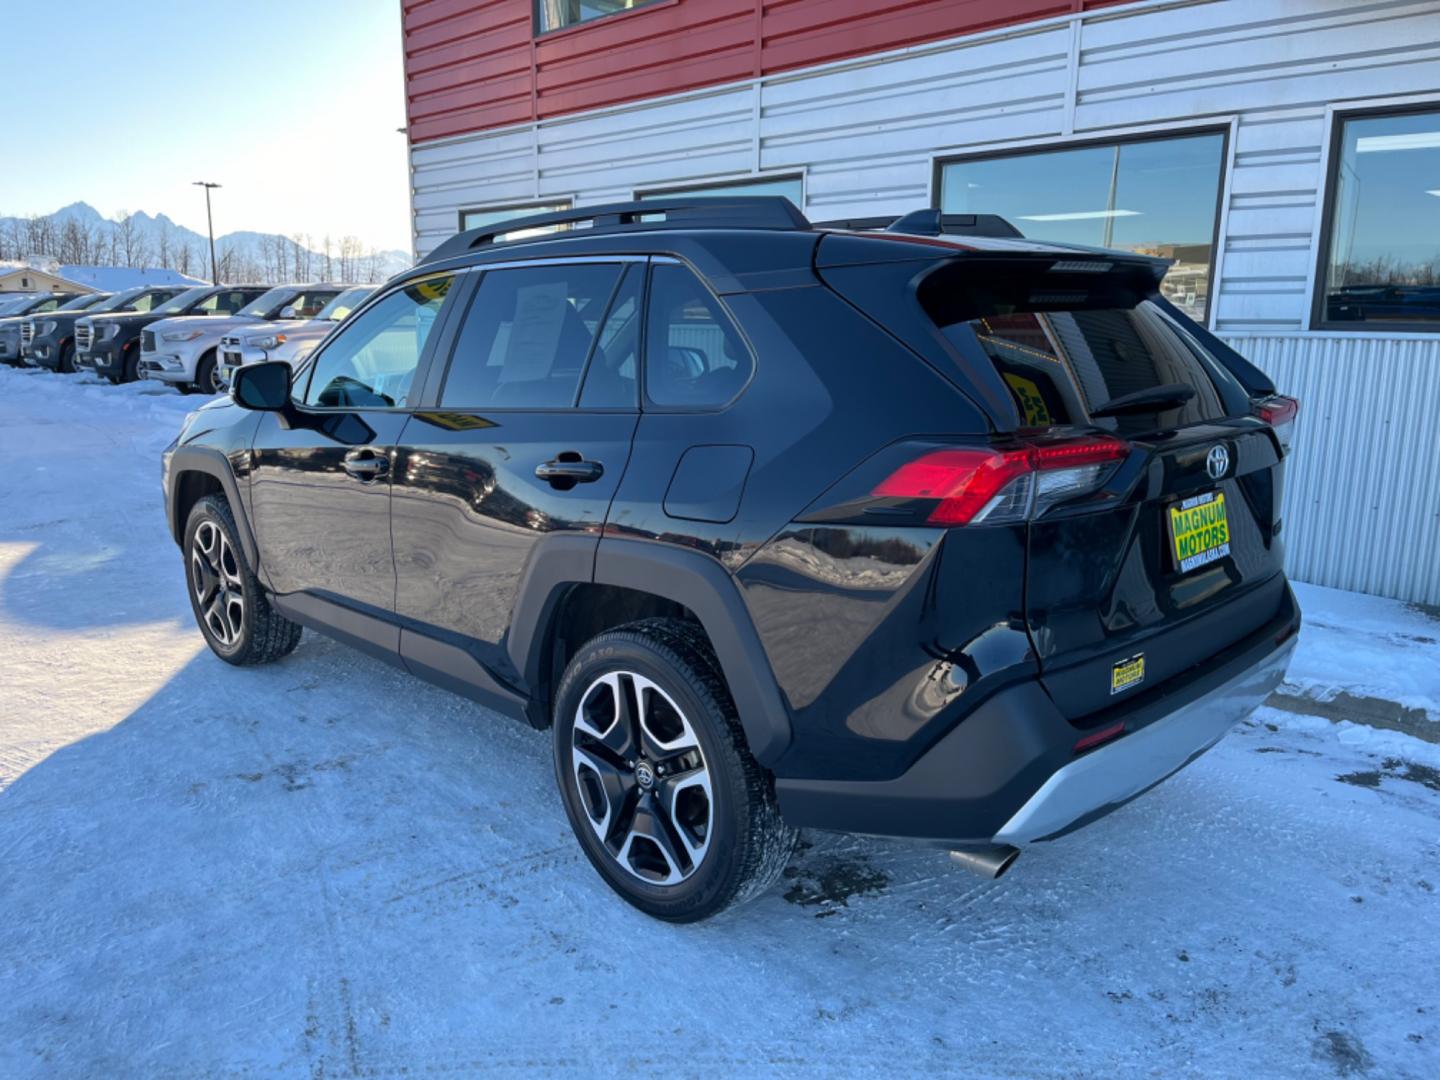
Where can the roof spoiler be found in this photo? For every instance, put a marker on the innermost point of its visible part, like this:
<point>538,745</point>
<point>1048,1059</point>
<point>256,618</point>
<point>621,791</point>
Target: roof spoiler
<point>930,222</point>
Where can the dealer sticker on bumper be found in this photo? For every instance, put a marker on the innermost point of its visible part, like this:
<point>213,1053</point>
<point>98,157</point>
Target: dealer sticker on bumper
<point>1200,530</point>
<point>1127,673</point>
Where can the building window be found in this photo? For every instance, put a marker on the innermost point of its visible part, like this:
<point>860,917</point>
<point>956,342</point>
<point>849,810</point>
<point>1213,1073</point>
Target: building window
<point>1381,251</point>
<point>479,218</point>
<point>558,14</point>
<point>1156,196</point>
<point>791,187</point>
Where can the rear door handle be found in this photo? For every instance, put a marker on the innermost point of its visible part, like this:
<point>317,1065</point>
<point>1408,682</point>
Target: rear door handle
<point>570,469</point>
<point>366,465</point>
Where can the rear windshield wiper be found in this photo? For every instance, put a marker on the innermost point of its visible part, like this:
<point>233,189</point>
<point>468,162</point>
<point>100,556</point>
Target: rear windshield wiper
<point>1151,399</point>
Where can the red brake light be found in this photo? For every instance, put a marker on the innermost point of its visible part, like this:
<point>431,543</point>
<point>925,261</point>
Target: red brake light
<point>975,484</point>
<point>1279,412</point>
<point>963,480</point>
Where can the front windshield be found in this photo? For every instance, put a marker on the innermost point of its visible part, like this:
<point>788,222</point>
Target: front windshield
<point>345,303</point>
<point>119,302</point>
<point>80,303</point>
<point>266,302</point>
<point>177,304</point>
<point>10,303</point>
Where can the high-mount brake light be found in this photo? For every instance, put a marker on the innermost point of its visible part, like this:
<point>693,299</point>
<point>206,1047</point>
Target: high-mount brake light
<point>1279,412</point>
<point>976,485</point>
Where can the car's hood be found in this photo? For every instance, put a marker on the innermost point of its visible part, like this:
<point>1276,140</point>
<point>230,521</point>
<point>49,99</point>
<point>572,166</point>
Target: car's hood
<point>208,325</point>
<point>108,317</point>
<point>293,329</point>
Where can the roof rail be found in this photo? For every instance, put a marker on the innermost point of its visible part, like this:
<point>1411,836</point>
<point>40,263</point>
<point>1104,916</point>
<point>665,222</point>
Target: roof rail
<point>738,212</point>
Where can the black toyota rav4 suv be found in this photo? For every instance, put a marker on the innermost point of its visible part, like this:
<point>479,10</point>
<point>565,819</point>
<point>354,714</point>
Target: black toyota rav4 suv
<point>920,531</point>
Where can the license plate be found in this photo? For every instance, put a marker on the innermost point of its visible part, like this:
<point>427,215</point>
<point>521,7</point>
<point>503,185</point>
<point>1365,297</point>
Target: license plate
<point>1199,531</point>
<point>1127,673</point>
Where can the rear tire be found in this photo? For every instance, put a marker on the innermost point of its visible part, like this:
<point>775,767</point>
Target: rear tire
<point>660,787</point>
<point>233,612</point>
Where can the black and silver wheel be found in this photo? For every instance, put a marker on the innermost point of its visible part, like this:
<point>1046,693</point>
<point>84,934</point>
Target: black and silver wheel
<point>66,362</point>
<point>233,612</point>
<point>216,582</point>
<point>658,783</point>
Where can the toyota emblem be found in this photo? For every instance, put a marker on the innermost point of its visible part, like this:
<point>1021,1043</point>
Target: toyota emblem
<point>1217,462</point>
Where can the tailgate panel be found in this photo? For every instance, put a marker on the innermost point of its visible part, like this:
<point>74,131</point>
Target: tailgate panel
<point>1106,586</point>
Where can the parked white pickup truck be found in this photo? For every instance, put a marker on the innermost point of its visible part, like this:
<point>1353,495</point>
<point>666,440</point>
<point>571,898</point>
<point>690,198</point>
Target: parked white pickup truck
<point>184,350</point>
<point>288,340</point>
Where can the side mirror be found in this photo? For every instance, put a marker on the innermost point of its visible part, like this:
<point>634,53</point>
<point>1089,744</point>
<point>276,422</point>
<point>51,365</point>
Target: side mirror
<point>263,387</point>
<point>288,312</point>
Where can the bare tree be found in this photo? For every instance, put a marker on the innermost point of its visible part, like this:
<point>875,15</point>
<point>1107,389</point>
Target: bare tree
<point>164,246</point>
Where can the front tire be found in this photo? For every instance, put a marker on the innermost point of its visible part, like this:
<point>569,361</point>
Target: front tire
<point>656,777</point>
<point>233,612</point>
<point>67,359</point>
<point>205,373</point>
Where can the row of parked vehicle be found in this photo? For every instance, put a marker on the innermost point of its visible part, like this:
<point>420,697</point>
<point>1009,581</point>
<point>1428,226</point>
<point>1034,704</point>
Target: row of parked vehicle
<point>190,337</point>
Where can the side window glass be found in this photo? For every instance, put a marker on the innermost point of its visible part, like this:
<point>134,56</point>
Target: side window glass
<point>693,354</point>
<point>228,303</point>
<point>612,377</point>
<point>308,304</point>
<point>370,362</point>
<point>527,336</point>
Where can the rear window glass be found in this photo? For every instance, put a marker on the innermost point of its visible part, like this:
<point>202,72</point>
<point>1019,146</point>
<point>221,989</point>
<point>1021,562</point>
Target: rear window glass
<point>1081,349</point>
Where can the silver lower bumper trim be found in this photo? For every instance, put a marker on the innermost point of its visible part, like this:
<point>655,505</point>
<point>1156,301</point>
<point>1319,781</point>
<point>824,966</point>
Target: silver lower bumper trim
<point>1125,768</point>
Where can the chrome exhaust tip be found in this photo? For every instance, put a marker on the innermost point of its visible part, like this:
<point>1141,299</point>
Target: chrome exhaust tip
<point>988,862</point>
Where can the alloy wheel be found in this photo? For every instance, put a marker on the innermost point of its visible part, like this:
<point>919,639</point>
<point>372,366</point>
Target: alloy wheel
<point>219,587</point>
<point>643,780</point>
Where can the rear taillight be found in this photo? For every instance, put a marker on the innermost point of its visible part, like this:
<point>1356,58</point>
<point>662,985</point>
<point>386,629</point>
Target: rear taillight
<point>1279,412</point>
<point>975,485</point>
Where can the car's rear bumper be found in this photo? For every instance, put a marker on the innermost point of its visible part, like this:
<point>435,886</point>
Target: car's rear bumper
<point>1010,773</point>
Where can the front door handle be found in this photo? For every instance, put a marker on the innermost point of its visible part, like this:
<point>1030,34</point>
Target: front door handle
<point>570,469</point>
<point>366,465</point>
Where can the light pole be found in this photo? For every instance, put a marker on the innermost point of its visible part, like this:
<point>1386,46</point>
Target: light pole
<point>209,225</point>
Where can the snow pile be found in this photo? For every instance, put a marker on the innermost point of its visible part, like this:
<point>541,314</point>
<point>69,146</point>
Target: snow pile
<point>119,278</point>
<point>325,867</point>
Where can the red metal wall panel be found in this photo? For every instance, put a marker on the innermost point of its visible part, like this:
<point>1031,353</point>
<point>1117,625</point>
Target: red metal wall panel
<point>474,64</point>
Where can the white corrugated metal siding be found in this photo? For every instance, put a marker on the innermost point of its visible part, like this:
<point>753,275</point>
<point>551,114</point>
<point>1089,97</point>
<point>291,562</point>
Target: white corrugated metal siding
<point>1362,498</point>
<point>865,134</point>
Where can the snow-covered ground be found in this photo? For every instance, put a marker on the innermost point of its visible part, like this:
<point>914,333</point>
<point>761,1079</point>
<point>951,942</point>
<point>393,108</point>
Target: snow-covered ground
<point>326,868</point>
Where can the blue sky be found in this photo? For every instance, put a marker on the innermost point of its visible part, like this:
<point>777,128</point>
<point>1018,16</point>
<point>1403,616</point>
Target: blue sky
<point>292,106</point>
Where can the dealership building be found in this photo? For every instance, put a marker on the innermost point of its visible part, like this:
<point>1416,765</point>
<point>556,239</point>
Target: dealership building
<point>1285,154</point>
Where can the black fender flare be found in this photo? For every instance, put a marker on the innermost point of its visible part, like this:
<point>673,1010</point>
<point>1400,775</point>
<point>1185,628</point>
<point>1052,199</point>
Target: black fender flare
<point>691,578</point>
<point>699,582</point>
<point>203,459</point>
